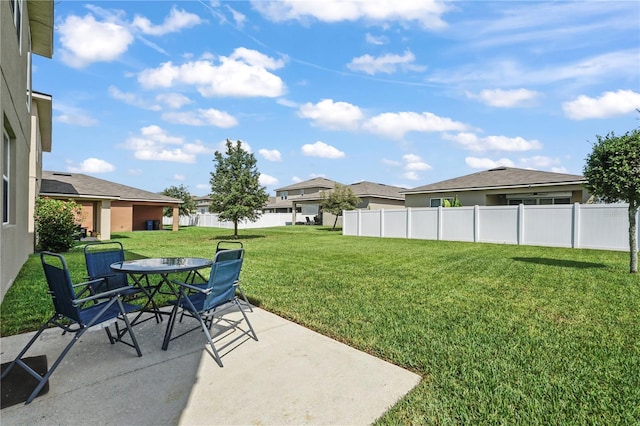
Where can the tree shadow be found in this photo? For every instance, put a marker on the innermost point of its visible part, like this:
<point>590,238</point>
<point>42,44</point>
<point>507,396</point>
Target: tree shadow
<point>240,237</point>
<point>560,262</point>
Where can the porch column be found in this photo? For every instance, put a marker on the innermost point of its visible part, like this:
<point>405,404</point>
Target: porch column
<point>176,218</point>
<point>104,220</point>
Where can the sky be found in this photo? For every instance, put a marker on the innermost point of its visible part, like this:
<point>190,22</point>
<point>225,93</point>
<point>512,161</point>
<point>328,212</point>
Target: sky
<point>404,93</point>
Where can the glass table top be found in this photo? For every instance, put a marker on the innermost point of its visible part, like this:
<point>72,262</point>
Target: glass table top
<point>161,265</point>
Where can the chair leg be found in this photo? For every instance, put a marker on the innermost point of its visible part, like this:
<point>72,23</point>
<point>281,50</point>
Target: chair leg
<point>246,318</point>
<point>129,328</point>
<point>170,324</point>
<point>18,359</point>
<point>216,355</point>
<point>244,297</point>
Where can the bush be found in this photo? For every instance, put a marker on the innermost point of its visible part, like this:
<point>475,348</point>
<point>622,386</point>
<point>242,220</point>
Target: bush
<point>57,222</point>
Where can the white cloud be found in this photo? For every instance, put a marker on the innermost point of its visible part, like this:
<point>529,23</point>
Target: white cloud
<point>609,104</point>
<point>387,64</point>
<point>179,177</point>
<point>132,99</point>
<point>472,142</point>
<point>506,98</point>
<point>85,40</point>
<point>176,21</point>
<point>266,180</point>
<point>201,117</point>
<point>412,165</point>
<point>243,74</point>
<point>270,154</point>
<point>332,115</point>
<point>73,116</point>
<point>152,143</point>
<point>425,12</point>
<point>487,163</point>
<point>173,100</point>
<point>395,124</point>
<point>376,40</point>
<point>411,175</point>
<point>321,149</point>
<point>92,165</point>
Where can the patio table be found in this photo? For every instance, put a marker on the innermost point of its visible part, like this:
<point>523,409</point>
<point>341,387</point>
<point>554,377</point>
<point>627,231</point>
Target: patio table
<point>139,270</point>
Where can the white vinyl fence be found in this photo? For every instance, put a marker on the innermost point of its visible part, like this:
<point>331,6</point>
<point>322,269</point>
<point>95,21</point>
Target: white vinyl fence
<point>594,226</point>
<point>211,220</point>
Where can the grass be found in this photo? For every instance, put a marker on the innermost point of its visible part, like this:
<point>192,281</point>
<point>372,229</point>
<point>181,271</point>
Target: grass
<point>500,334</point>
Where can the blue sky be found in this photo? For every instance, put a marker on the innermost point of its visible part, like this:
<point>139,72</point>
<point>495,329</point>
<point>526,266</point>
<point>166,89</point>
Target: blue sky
<point>393,92</point>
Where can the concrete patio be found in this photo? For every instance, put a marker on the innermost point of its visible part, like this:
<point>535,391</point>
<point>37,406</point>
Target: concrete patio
<point>290,376</point>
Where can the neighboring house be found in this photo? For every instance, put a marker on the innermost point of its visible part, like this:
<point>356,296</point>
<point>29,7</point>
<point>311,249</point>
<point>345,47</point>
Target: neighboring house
<point>107,206</point>
<point>26,28</point>
<point>502,186</point>
<point>303,200</point>
<point>202,204</point>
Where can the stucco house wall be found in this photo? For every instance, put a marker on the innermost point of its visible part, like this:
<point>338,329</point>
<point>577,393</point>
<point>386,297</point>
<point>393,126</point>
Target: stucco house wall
<point>16,240</point>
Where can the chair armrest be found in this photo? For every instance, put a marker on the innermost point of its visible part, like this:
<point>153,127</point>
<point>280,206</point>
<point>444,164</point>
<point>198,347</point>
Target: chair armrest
<point>192,287</point>
<point>114,292</point>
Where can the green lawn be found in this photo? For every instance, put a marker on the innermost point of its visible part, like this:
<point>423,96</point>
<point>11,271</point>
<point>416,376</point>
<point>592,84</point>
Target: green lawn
<point>500,334</point>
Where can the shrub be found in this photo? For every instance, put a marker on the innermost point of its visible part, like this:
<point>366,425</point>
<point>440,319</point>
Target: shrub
<point>57,223</point>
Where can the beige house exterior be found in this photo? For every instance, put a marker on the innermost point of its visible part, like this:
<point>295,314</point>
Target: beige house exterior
<point>303,200</point>
<point>502,186</point>
<point>26,28</point>
<point>107,206</point>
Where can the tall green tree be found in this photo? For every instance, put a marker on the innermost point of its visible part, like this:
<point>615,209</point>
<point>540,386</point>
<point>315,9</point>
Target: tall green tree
<point>181,192</point>
<point>236,193</point>
<point>613,174</point>
<point>339,199</point>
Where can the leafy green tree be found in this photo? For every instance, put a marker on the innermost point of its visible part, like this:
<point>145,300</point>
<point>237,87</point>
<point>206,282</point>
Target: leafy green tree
<point>454,203</point>
<point>181,192</point>
<point>57,223</point>
<point>339,199</point>
<point>236,193</point>
<point>613,174</point>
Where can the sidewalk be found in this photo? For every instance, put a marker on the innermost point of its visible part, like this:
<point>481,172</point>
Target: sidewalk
<point>290,376</point>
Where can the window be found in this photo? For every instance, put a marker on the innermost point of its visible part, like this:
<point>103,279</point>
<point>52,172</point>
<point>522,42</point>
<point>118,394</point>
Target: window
<point>284,195</point>
<point>16,9</point>
<point>6,173</point>
<point>437,202</point>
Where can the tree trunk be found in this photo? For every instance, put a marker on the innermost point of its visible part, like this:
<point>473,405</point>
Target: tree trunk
<point>633,242</point>
<point>235,229</point>
<point>335,222</point>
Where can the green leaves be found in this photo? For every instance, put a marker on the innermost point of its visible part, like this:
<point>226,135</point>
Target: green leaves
<point>56,223</point>
<point>182,193</point>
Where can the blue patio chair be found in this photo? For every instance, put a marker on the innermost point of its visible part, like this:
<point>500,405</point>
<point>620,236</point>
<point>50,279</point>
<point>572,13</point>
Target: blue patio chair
<point>208,302</point>
<point>98,257</point>
<point>75,315</point>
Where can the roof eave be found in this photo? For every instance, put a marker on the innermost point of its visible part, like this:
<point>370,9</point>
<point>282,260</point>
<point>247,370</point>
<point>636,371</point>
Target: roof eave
<point>41,25</point>
<point>485,188</point>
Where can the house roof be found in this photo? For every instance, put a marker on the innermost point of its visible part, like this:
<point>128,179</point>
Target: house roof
<point>76,185</point>
<point>43,103</point>
<point>371,189</point>
<point>41,25</point>
<point>500,178</point>
<point>311,183</point>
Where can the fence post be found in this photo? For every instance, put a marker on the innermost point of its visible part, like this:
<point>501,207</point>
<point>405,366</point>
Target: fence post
<point>359,223</point>
<point>439,228</point>
<point>520,224</point>
<point>476,223</point>
<point>408,209</point>
<point>575,226</point>
<point>381,216</point>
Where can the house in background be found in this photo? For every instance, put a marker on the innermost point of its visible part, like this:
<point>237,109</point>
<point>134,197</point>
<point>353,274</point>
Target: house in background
<point>202,204</point>
<point>26,28</point>
<point>107,206</point>
<point>502,186</point>
<point>303,199</point>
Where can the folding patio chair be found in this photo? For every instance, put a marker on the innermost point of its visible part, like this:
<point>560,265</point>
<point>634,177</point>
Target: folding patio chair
<point>75,315</point>
<point>98,257</point>
<point>208,302</point>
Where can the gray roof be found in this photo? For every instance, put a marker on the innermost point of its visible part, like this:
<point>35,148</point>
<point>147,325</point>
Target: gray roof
<point>498,178</point>
<point>370,189</point>
<point>76,185</point>
<point>311,183</point>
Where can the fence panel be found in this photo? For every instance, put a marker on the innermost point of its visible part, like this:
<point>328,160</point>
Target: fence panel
<point>370,224</point>
<point>395,223</point>
<point>498,224</point>
<point>548,226</point>
<point>350,222</point>
<point>604,227</point>
<point>424,223</point>
<point>458,224</point>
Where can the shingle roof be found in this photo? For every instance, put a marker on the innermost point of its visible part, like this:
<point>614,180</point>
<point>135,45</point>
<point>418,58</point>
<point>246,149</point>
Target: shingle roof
<point>501,177</point>
<point>371,189</point>
<point>76,185</point>
<point>311,183</point>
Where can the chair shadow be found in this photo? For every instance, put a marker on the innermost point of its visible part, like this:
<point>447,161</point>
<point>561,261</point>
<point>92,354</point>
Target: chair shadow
<point>240,237</point>
<point>560,262</point>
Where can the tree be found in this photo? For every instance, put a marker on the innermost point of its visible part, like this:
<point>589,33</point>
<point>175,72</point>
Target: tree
<point>182,193</point>
<point>236,193</point>
<point>57,223</point>
<point>613,174</point>
<point>341,198</point>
